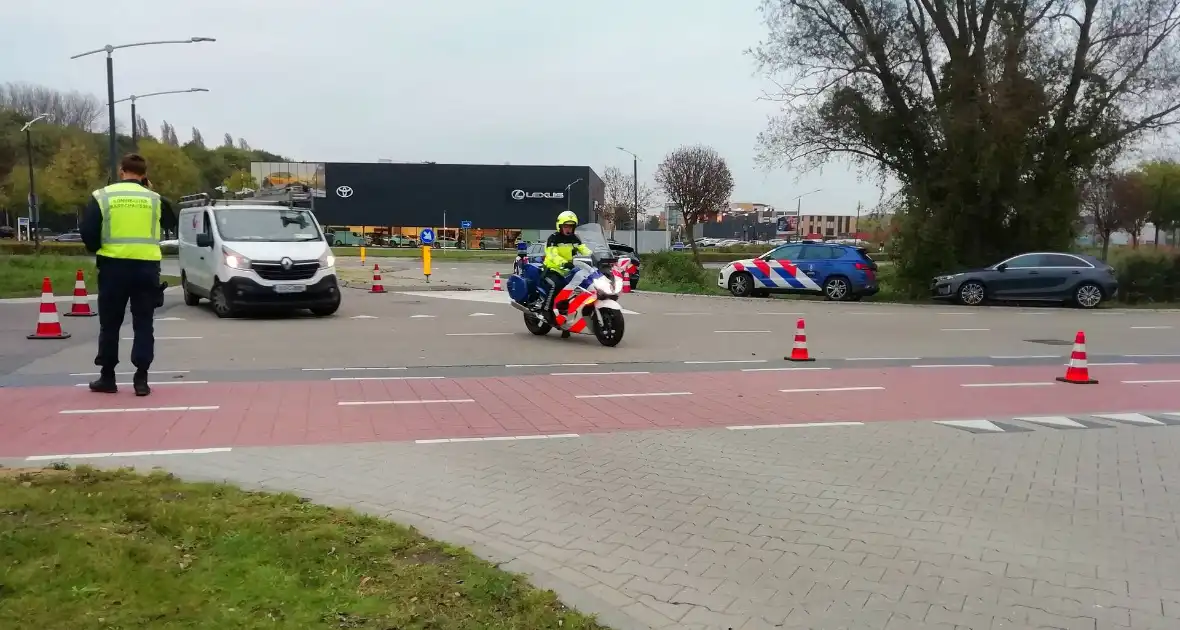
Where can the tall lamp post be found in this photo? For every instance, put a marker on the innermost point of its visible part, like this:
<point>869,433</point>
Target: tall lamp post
<point>34,214</point>
<point>799,207</point>
<point>567,192</point>
<point>109,49</point>
<point>635,184</point>
<point>136,97</point>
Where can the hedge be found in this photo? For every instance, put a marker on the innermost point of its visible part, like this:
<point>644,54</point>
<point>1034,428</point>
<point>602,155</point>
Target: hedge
<point>54,247</point>
<point>1147,277</point>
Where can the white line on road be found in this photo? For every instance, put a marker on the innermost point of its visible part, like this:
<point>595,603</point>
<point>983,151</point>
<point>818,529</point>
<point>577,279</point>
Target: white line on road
<point>164,338</point>
<point>634,395</point>
<point>801,425</point>
<point>964,329</point>
<point>349,369</point>
<point>1035,313</point>
<point>512,438</point>
<point>955,313</point>
<point>776,313</point>
<point>358,403</point>
<point>786,369</point>
<point>1149,356</point>
<point>1029,384</point>
<point>1133,418</point>
<point>1151,327</point>
<point>1155,382</point>
<point>170,319</point>
<point>830,389</point>
<point>1026,356</point>
<point>385,378</point>
<point>1053,421</point>
<point>483,334</point>
<point>978,425</point>
<point>131,372</point>
<point>537,365</point>
<point>756,332</point>
<point>139,409</point>
<point>421,316</point>
<point>595,373</point>
<point>181,451</point>
<point>482,315</point>
<point>883,359</point>
<point>951,365</point>
<point>725,361</point>
<point>1109,363</point>
<point>154,383</point>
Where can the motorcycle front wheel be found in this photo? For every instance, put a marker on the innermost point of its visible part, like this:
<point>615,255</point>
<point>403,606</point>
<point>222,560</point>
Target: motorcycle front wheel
<point>536,326</point>
<point>608,327</point>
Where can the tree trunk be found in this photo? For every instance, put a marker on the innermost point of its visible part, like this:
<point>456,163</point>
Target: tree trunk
<point>1156,244</point>
<point>692,242</point>
<point>1105,245</point>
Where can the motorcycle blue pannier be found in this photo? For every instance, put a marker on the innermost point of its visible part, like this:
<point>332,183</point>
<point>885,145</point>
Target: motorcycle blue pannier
<point>518,288</point>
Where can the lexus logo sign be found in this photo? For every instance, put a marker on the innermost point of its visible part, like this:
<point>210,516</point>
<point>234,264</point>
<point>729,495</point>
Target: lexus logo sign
<point>344,192</point>
<point>520,194</point>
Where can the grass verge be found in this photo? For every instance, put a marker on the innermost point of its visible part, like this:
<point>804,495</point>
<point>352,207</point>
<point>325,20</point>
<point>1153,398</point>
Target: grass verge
<point>88,549</point>
<point>21,276</point>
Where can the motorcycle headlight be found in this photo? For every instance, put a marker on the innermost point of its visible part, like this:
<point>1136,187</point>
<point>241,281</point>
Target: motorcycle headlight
<point>234,259</point>
<point>604,286</point>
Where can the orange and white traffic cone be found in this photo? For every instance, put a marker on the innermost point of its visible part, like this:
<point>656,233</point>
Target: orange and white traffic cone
<point>496,282</point>
<point>377,286</point>
<point>1078,372</point>
<point>627,281</point>
<point>799,351</point>
<point>48,325</point>
<point>81,306</point>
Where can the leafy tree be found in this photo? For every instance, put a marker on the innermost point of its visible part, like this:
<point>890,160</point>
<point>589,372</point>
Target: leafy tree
<point>1162,182</point>
<point>72,176</point>
<point>653,223</point>
<point>142,130</point>
<point>1131,199</point>
<point>197,140</point>
<point>172,173</point>
<point>168,134</point>
<point>228,142</point>
<point>987,114</point>
<point>1105,209</point>
<point>239,180</point>
<point>698,180</point>
<point>243,145</point>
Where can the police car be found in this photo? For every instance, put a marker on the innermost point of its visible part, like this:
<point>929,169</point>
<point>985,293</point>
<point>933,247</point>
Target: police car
<point>838,272</point>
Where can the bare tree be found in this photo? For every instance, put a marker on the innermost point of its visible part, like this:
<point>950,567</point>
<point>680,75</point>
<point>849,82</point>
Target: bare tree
<point>69,109</point>
<point>1099,209</point>
<point>228,141</point>
<point>1129,195</point>
<point>698,180</point>
<point>197,140</point>
<point>243,145</point>
<point>142,129</point>
<point>619,198</point>
<point>168,134</point>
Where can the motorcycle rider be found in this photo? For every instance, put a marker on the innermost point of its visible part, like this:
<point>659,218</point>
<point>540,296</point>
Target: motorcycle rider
<point>560,249</point>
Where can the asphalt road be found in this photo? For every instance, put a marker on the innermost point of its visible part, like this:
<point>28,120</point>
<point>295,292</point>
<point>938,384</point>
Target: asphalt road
<point>925,471</point>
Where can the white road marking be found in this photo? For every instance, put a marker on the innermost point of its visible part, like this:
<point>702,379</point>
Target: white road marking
<point>386,378</point>
<point>358,403</point>
<point>1029,384</point>
<point>955,313</point>
<point>777,313</point>
<point>1027,356</point>
<point>1035,313</point>
<point>483,334</point>
<point>883,359</point>
<point>1053,421</point>
<point>1155,382</point>
<point>964,329</point>
<point>1111,313</point>
<point>1149,356</point>
<point>164,338</point>
<point>139,409</point>
<point>154,383</point>
<point>978,425</point>
<point>1108,363</point>
<point>594,373</point>
<point>1133,418</point>
<point>951,365</point>
<point>756,332</point>
<point>482,315</point>
<point>513,438</point>
<point>725,361</point>
<point>1151,327</point>
<point>830,389</point>
<point>485,295</point>
<point>685,314</point>
<point>537,365</point>
<point>363,317</point>
<point>634,395</point>
<point>129,372</point>
<point>420,316</point>
<point>182,451</point>
<point>786,369</point>
<point>348,369</point>
<point>801,425</point>
<point>170,319</point>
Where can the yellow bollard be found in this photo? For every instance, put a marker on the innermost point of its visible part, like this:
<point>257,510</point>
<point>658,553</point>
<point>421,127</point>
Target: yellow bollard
<point>426,262</point>
<point>362,255</point>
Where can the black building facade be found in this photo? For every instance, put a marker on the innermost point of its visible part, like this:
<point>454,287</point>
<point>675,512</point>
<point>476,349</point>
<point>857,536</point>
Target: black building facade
<point>491,197</point>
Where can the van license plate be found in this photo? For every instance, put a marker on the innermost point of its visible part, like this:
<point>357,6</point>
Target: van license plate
<point>290,288</point>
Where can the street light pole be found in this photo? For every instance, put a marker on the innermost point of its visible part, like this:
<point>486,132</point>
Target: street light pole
<point>635,192</point>
<point>567,192</point>
<point>134,127</point>
<point>109,50</point>
<point>34,214</point>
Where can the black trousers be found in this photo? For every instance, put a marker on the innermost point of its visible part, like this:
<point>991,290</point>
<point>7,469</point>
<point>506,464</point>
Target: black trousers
<point>554,282</point>
<point>123,282</point>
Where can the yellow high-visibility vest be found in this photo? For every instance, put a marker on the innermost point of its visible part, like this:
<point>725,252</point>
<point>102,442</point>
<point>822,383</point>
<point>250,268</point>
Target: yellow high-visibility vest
<point>130,222</point>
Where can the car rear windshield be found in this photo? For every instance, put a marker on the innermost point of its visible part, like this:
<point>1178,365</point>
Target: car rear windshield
<point>267,225</point>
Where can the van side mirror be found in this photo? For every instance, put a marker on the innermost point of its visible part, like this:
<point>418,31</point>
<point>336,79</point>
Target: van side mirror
<point>204,240</point>
<point>1001,266</point>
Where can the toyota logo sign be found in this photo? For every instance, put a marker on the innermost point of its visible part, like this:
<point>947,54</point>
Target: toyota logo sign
<point>518,194</point>
<point>344,192</point>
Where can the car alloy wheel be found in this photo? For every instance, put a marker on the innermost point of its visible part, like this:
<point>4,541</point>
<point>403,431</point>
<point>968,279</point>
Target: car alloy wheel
<point>836,289</point>
<point>741,284</point>
<point>971,293</point>
<point>1088,295</point>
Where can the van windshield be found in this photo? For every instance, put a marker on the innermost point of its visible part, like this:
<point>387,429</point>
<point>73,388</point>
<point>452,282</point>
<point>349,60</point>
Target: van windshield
<point>287,225</point>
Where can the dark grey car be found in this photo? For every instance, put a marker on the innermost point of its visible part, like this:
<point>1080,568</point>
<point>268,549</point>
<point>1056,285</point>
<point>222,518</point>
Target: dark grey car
<point>1078,279</point>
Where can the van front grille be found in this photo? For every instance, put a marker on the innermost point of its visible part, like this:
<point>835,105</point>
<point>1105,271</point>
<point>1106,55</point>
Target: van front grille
<point>301,270</point>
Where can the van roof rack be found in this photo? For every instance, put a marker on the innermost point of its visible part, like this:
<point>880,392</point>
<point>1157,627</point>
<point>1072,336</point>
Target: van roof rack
<point>291,196</point>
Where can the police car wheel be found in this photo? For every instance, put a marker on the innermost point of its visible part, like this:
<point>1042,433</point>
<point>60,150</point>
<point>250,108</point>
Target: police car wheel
<point>741,284</point>
<point>837,289</point>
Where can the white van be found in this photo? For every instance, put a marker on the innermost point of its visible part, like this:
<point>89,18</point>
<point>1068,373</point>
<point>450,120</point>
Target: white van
<point>243,254</point>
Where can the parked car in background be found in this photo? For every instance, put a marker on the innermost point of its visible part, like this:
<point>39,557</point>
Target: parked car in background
<point>838,272</point>
<point>68,237</point>
<point>1077,279</point>
<point>7,231</point>
<point>401,240</point>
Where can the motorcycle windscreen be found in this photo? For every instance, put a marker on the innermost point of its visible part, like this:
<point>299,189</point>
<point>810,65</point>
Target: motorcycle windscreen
<point>594,237</point>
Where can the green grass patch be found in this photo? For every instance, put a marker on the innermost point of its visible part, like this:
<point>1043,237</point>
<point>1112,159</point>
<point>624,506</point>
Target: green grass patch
<point>86,549</point>
<point>21,275</point>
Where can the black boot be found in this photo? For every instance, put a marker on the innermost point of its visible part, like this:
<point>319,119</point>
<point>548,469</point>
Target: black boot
<point>105,383</point>
<point>140,383</point>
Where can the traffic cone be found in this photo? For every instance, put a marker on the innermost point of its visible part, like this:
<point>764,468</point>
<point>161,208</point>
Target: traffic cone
<point>81,307</point>
<point>799,351</point>
<point>1077,371</point>
<point>48,326</point>
<point>496,282</point>
<point>627,281</point>
<point>377,286</point>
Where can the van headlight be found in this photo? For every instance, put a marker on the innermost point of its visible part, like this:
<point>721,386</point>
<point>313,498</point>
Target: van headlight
<point>327,260</point>
<point>235,260</point>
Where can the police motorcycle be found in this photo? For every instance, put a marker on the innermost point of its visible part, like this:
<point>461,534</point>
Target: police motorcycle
<point>587,304</point>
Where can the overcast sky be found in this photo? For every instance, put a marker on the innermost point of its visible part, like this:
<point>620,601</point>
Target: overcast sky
<point>460,81</point>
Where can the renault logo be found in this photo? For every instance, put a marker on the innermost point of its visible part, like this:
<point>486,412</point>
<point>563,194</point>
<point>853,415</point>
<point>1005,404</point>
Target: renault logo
<point>518,194</point>
<point>344,191</point>
<point>286,263</point>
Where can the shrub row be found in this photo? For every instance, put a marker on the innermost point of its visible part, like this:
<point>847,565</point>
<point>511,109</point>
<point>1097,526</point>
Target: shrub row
<point>9,246</point>
<point>1147,277</point>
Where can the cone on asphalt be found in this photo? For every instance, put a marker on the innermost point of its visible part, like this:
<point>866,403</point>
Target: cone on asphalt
<point>627,281</point>
<point>496,282</point>
<point>799,350</point>
<point>1077,371</point>
<point>48,325</point>
<point>377,286</point>
<point>81,306</point>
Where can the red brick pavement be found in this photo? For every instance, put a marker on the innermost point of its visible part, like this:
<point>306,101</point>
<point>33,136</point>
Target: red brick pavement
<point>307,412</point>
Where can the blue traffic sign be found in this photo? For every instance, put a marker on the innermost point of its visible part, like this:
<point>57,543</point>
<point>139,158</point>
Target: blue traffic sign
<point>466,225</point>
<point>426,236</point>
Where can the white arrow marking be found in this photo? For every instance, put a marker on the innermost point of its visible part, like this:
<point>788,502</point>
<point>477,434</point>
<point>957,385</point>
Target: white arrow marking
<point>417,316</point>
<point>978,425</point>
<point>170,319</point>
<point>481,315</point>
<point>363,317</point>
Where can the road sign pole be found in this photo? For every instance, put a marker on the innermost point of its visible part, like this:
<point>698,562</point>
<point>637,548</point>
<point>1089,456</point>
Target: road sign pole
<point>426,239</point>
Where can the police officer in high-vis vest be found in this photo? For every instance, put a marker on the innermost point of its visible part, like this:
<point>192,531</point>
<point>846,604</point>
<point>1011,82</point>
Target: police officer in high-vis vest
<point>122,223</point>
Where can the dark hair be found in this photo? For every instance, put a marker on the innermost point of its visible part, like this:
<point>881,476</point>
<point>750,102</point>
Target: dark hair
<point>134,164</point>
